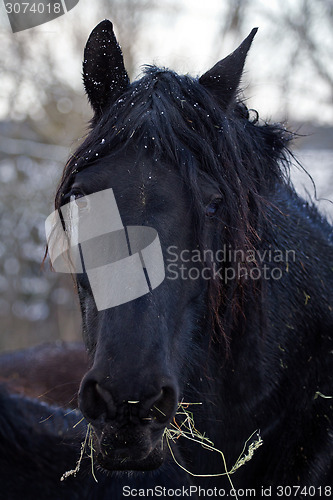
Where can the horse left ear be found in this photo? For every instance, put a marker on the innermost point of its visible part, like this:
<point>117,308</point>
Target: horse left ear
<point>104,73</point>
<point>223,79</point>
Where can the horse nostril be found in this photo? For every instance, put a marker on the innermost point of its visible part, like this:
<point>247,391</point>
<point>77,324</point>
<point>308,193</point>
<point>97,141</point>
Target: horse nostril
<point>95,401</point>
<point>164,407</point>
<point>100,403</point>
<point>104,394</point>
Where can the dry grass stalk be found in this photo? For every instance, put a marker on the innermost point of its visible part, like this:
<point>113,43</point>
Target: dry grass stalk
<point>88,440</point>
<point>186,428</point>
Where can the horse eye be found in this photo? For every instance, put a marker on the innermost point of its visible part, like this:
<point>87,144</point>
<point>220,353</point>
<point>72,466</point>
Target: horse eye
<point>80,199</point>
<point>212,207</point>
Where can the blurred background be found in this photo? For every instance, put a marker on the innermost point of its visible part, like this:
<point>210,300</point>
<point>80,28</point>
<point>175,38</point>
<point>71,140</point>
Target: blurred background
<point>44,115</point>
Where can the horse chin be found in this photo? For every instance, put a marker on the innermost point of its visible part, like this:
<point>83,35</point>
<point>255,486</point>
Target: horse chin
<point>128,462</point>
<point>136,452</point>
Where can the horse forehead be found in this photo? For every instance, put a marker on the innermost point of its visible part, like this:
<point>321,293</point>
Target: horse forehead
<point>133,178</point>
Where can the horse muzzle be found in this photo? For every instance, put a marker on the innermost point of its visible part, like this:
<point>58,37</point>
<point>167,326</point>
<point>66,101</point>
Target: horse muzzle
<point>128,421</point>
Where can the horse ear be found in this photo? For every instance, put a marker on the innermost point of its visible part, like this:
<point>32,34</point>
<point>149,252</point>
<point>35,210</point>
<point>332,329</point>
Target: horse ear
<point>223,79</point>
<point>104,73</point>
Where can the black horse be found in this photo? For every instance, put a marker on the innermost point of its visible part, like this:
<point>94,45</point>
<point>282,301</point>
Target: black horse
<point>38,444</point>
<point>242,322</point>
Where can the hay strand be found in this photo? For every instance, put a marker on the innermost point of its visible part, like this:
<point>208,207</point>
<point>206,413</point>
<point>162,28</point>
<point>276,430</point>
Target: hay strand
<point>186,429</point>
<point>88,440</point>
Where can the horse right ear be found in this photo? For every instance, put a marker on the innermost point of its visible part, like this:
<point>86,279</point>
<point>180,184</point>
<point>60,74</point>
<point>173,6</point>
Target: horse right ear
<point>222,80</point>
<point>104,73</point>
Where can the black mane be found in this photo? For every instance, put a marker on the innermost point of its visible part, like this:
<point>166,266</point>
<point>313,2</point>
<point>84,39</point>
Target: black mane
<point>175,118</point>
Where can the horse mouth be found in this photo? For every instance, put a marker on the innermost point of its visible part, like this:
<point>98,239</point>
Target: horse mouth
<point>121,453</point>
